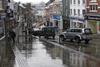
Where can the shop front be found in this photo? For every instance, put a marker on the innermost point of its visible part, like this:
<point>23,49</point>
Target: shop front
<point>94,23</point>
<point>77,22</point>
<point>98,27</point>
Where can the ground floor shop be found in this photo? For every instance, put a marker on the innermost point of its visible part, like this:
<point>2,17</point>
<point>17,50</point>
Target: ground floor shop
<point>77,23</point>
<point>93,21</point>
<point>94,25</point>
<point>98,26</point>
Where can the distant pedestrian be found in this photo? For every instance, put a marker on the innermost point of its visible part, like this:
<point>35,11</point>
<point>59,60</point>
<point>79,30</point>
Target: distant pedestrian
<point>12,34</point>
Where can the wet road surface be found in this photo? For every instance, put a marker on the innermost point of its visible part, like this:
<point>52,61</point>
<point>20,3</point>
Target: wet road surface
<point>7,57</point>
<point>36,53</point>
<point>93,48</point>
<point>41,54</point>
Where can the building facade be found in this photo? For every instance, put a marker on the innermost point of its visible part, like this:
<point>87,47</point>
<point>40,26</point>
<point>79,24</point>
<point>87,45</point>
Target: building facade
<point>3,4</point>
<point>53,14</point>
<point>66,14</point>
<point>77,10</point>
<point>39,14</point>
<point>93,15</point>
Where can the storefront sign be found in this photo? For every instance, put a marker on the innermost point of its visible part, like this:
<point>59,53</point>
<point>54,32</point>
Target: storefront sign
<point>76,18</point>
<point>93,17</point>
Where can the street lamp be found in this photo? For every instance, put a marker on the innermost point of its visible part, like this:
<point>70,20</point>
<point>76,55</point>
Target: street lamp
<point>9,16</point>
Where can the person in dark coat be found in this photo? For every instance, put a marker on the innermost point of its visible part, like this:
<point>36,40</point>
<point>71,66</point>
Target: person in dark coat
<point>12,35</point>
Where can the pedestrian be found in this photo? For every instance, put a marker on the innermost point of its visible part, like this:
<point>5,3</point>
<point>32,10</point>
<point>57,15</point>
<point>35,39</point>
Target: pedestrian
<point>12,34</point>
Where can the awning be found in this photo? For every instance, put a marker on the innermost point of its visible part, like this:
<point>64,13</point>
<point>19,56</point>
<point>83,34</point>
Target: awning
<point>92,16</point>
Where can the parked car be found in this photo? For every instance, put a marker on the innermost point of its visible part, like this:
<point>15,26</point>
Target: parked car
<point>49,32</point>
<point>37,32</point>
<point>76,34</point>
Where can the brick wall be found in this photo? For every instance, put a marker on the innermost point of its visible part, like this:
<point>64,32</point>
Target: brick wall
<point>88,6</point>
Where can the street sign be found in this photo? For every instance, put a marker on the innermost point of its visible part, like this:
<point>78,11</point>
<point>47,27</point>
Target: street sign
<point>56,17</point>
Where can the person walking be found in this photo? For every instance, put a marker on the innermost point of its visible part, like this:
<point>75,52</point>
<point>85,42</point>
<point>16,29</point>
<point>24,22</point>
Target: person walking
<point>12,34</point>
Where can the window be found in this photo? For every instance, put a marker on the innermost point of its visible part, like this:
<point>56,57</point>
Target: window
<point>70,11</point>
<point>93,1</point>
<point>74,1</point>
<point>83,12</point>
<point>78,1</point>
<point>76,30</point>
<point>83,1</point>
<point>93,7</point>
<point>0,4</point>
<point>8,0</point>
<point>74,12</point>
<point>70,1</point>
<point>87,31</point>
<point>79,12</point>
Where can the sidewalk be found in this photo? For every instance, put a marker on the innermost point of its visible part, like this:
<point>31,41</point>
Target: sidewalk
<point>96,36</point>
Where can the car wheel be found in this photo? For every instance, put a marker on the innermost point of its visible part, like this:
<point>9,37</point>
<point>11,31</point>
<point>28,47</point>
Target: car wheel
<point>71,40</point>
<point>46,37</point>
<point>77,39</point>
<point>61,39</point>
<point>53,37</point>
<point>86,41</point>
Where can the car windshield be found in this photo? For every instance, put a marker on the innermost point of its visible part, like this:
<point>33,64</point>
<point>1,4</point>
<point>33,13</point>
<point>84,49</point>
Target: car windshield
<point>74,30</point>
<point>78,30</point>
<point>49,29</point>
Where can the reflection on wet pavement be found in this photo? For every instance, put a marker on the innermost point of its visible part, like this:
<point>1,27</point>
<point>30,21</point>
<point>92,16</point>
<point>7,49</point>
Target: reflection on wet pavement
<point>93,48</point>
<point>39,57</point>
<point>7,58</point>
<point>46,55</point>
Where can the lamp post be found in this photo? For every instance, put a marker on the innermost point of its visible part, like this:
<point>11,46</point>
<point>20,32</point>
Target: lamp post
<point>7,21</point>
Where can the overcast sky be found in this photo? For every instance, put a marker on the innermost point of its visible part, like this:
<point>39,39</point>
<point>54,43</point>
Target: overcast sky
<point>32,1</point>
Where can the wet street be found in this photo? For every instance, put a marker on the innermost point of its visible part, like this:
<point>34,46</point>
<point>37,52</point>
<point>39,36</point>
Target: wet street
<point>7,57</point>
<point>37,53</point>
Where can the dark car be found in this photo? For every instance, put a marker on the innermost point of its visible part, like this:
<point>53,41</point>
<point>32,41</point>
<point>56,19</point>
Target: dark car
<point>37,32</point>
<point>49,32</point>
